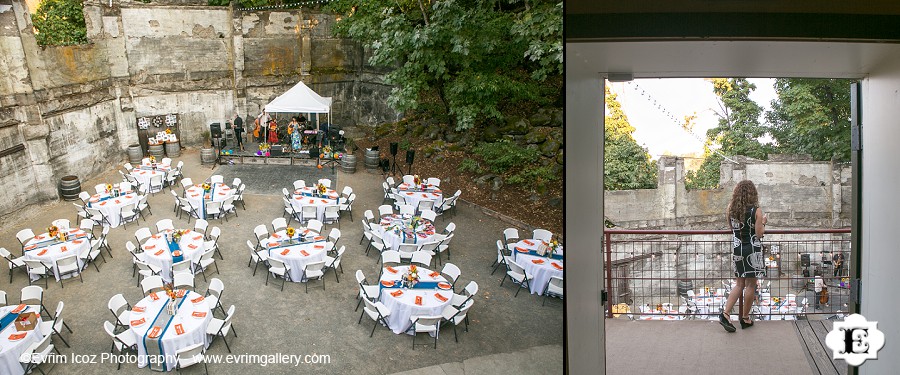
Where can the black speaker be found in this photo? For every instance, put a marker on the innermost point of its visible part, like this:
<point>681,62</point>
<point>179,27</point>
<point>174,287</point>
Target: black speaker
<point>804,260</point>
<point>393,148</point>
<point>277,151</point>
<point>805,273</point>
<point>313,152</point>
<point>410,156</point>
<point>215,130</point>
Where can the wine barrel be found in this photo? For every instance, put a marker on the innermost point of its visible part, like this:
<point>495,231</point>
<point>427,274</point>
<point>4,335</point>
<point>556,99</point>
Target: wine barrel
<point>173,149</point>
<point>157,151</point>
<point>69,187</point>
<point>348,163</point>
<point>371,161</point>
<point>135,154</point>
<point>207,155</point>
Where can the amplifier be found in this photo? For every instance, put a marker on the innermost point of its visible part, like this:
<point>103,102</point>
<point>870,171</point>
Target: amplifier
<point>276,151</point>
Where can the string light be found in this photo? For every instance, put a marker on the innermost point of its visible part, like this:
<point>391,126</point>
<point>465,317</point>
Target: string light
<point>637,88</point>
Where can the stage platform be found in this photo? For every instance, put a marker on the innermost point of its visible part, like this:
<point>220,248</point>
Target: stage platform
<point>249,156</point>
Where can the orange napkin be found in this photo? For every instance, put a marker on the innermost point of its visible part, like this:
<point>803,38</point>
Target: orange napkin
<point>118,201</point>
<point>424,195</point>
<point>195,195</point>
<point>221,193</point>
<point>19,308</point>
<point>440,297</point>
<point>323,201</point>
<point>419,300</point>
<point>436,195</point>
<point>192,246</point>
<point>198,237</point>
<point>63,249</point>
<point>199,314</point>
<point>77,242</point>
<point>318,247</point>
<point>179,329</point>
<point>17,336</point>
<point>434,274</point>
<point>391,269</point>
<point>556,265</point>
<point>29,247</point>
<point>528,242</point>
<point>149,247</point>
<point>299,198</point>
<point>103,203</point>
<point>197,300</point>
<point>311,201</point>
<point>387,283</point>
<point>135,323</point>
<point>154,333</point>
<point>158,253</point>
<point>537,261</point>
<point>444,285</point>
<point>180,293</point>
<point>276,235</point>
<point>319,238</point>
<point>305,231</point>
<point>410,193</point>
<point>42,252</point>
<point>138,309</point>
<point>286,251</point>
<point>154,297</point>
<point>397,293</point>
<point>304,253</point>
<point>521,249</point>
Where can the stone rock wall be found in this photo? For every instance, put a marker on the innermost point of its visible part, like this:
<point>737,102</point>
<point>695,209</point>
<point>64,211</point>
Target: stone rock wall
<point>73,110</point>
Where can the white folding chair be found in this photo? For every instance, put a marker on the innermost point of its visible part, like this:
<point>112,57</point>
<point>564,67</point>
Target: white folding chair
<point>425,324</point>
<point>377,311</point>
<point>164,224</point>
<point>216,179</point>
<point>542,235</point>
<point>221,327</point>
<point>314,270</point>
<point>299,184</point>
<point>120,309</point>
<point>518,275</point>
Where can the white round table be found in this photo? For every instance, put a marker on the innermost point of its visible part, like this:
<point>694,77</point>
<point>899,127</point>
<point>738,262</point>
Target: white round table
<point>305,197</point>
<point>540,268</point>
<point>415,194</point>
<point>391,229</point>
<point>186,328</point>
<point>144,173</point>
<point>49,250</point>
<point>156,251</point>
<point>296,253</point>
<point>403,305</point>
<point>111,207</point>
<point>218,193</point>
<point>10,350</point>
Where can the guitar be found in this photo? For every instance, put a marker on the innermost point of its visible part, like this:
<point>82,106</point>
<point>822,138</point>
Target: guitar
<point>823,298</point>
<point>256,128</point>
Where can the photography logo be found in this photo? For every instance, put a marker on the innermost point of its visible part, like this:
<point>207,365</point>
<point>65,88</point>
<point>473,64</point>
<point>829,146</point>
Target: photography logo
<point>855,340</point>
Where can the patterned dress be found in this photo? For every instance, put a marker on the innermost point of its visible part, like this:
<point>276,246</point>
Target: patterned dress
<point>747,253</point>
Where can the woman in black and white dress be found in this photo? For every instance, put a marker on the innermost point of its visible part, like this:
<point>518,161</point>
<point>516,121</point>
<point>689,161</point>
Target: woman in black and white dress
<point>748,223</point>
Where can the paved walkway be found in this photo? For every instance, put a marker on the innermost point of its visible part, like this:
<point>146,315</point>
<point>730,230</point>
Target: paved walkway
<point>269,321</point>
<point>538,360</point>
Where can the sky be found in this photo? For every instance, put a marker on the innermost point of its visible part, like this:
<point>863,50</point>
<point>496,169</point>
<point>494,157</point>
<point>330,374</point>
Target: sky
<point>680,97</point>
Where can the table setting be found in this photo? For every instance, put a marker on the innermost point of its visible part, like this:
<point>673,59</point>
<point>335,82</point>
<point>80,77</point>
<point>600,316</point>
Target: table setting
<point>297,248</point>
<point>419,191</point>
<point>111,201</point>
<point>541,259</point>
<point>409,291</point>
<point>145,171</point>
<point>172,246</point>
<point>318,195</point>
<point>166,321</point>
<point>199,194</point>
<point>16,337</point>
<point>54,244</point>
<point>396,229</point>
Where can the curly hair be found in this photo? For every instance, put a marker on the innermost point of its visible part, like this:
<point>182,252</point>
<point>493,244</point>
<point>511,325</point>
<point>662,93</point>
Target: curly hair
<point>744,197</point>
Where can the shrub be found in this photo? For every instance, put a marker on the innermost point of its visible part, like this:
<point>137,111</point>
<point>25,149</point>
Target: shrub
<point>503,155</point>
<point>59,23</point>
<point>469,165</point>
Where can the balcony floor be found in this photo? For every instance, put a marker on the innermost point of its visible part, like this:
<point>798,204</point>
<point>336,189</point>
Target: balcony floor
<point>703,347</point>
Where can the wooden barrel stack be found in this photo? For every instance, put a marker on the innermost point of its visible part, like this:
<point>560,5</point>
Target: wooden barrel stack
<point>69,187</point>
<point>135,154</point>
<point>348,163</point>
<point>371,161</point>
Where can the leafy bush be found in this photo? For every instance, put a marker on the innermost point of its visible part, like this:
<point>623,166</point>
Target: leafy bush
<point>59,23</point>
<point>404,144</point>
<point>469,165</point>
<point>503,155</point>
<point>537,177</point>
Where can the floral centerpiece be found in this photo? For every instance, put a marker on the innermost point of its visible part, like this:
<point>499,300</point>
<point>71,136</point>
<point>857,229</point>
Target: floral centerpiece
<point>290,231</point>
<point>416,180</point>
<point>412,276</point>
<point>152,159</point>
<point>264,149</point>
<point>205,187</point>
<point>168,130</point>
<point>109,188</point>
<point>776,300</point>
<point>176,235</point>
<point>171,306</point>
<point>53,231</point>
<point>321,189</point>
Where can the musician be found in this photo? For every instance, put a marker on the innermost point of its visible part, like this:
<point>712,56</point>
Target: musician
<point>273,132</point>
<point>821,292</point>
<point>238,128</point>
<point>260,128</point>
<point>295,131</point>
<point>838,260</point>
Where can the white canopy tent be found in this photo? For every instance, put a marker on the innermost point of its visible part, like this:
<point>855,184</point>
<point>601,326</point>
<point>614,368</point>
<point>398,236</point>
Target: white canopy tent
<point>301,99</point>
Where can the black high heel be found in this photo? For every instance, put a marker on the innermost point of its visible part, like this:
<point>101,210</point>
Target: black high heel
<point>745,325</point>
<point>726,323</point>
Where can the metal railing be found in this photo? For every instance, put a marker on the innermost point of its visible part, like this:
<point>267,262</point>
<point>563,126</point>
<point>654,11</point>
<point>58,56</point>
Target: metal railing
<point>687,274</point>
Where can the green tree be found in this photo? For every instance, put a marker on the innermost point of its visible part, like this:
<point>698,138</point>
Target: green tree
<point>737,133</point>
<point>626,165</point>
<point>59,23</point>
<point>812,116</point>
<point>469,57</point>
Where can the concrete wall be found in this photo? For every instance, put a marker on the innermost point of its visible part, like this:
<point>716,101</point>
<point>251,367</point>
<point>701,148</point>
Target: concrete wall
<point>795,194</point>
<point>74,108</point>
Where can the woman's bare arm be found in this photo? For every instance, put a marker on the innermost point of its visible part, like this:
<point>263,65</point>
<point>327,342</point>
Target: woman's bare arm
<point>760,223</point>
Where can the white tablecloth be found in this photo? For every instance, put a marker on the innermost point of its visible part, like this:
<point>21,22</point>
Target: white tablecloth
<point>156,251</point>
<point>11,350</point>
<point>112,207</point>
<point>294,257</point>
<point>143,174</point>
<point>194,328</point>
<point>540,273</point>
<point>424,234</point>
<point>48,251</point>
<point>413,195</point>
<point>220,192</point>
<point>404,306</point>
<point>299,200</point>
